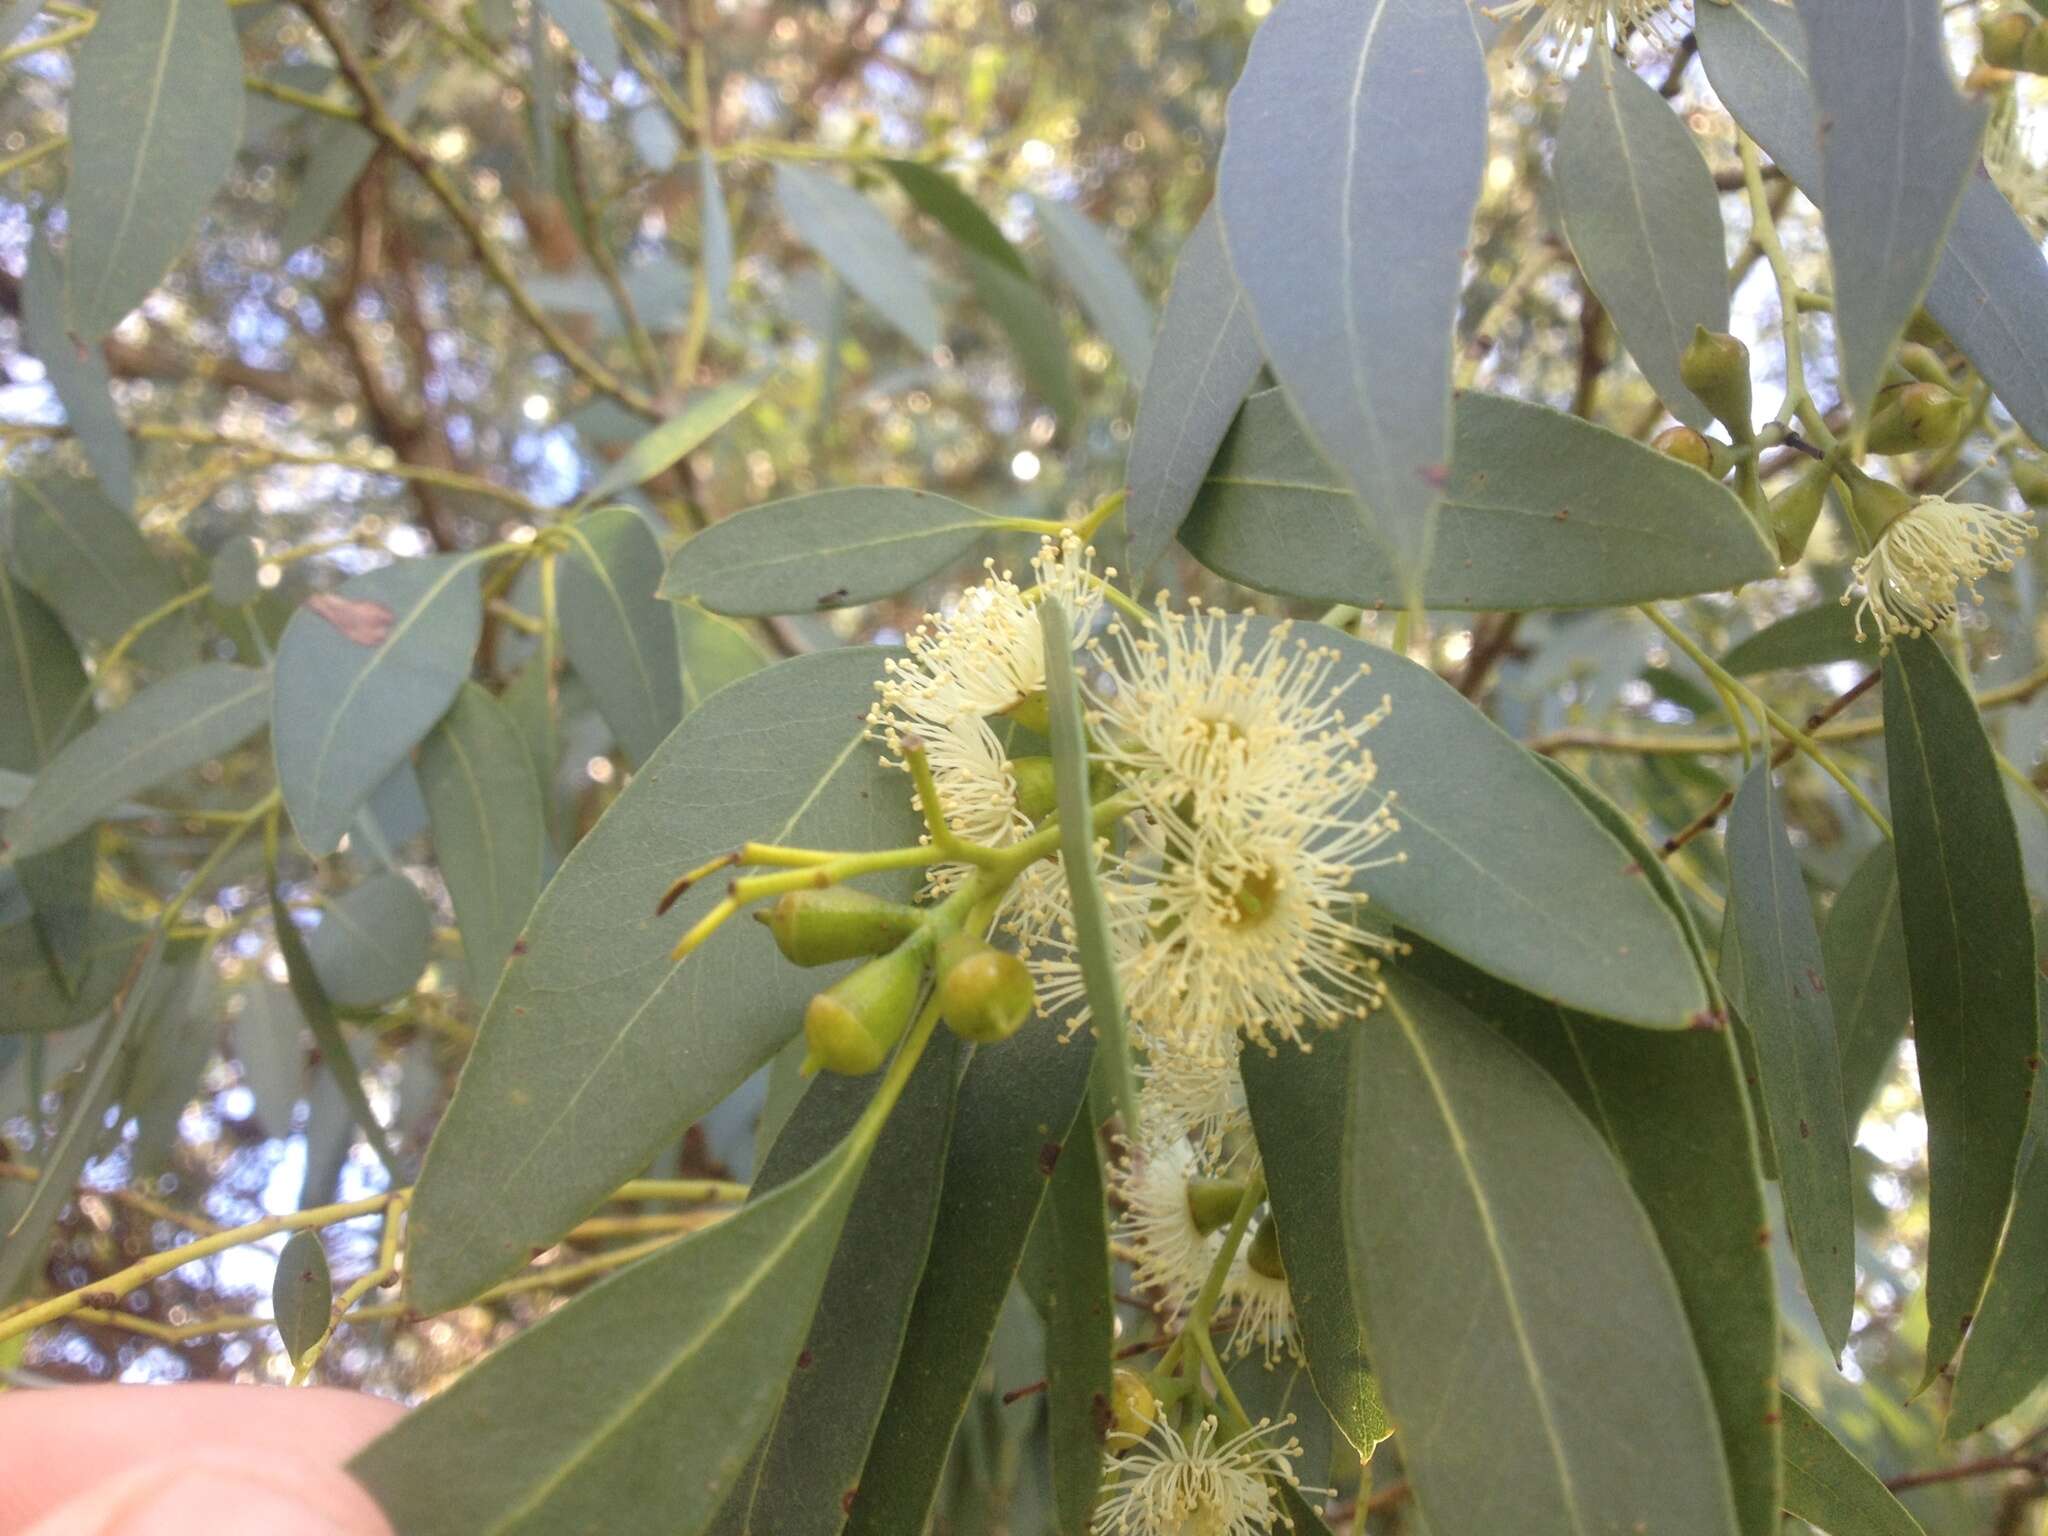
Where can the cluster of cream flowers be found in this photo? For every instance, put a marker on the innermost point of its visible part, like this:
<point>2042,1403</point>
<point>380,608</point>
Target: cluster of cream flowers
<point>1198,1484</point>
<point>1571,24</point>
<point>1909,578</point>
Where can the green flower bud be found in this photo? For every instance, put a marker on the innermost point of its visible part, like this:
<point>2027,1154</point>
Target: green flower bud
<point>1213,1202</point>
<point>1874,505</point>
<point>837,923</point>
<point>985,993</point>
<point>1036,797</point>
<point>1795,512</point>
<point>1686,446</point>
<point>1921,328</point>
<point>1715,367</point>
<point>1032,713</point>
<point>1133,1409</point>
<point>1264,1253</point>
<point>1914,418</point>
<point>852,1026</point>
<point>2004,38</point>
<point>1925,364</point>
<point>2031,477</point>
<point>2034,56</point>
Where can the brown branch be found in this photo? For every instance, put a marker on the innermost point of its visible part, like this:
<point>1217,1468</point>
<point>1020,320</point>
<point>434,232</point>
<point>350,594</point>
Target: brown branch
<point>1988,1466</point>
<point>1489,645</point>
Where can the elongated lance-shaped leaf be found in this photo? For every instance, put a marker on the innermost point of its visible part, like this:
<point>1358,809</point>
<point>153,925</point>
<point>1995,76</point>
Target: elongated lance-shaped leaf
<point>167,728</point>
<point>41,681</point>
<point>1077,859</point>
<point>1898,143</point>
<point>1864,945</point>
<point>809,1462</point>
<point>938,195</point>
<point>598,1046</point>
<point>2008,1351</point>
<point>619,636</point>
<point>827,549</point>
<point>1786,1006</point>
<point>1970,960</point>
<point>1080,1325</point>
<point>1990,291</point>
<point>588,26</point>
<point>85,557</point>
<point>1107,291</point>
<point>372,942</point>
<point>1207,356</point>
<point>596,1418</point>
<point>858,242</point>
<point>1504,1262</point>
<point>156,121</point>
<point>682,433</point>
<point>1348,230</point>
<point>363,673</point>
<point>77,371</point>
<point>715,226</point>
<point>489,837</point>
<point>1542,510</point>
<point>1823,633</point>
<point>1644,221</point>
<point>1826,1486</point>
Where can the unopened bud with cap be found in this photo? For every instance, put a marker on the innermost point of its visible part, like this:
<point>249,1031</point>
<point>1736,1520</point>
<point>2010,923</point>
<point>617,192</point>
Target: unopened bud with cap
<point>1036,794</point>
<point>837,923</point>
<point>1796,510</point>
<point>1686,446</point>
<point>2004,38</point>
<point>1263,1255</point>
<point>985,993</point>
<point>1874,504</point>
<point>1916,418</point>
<point>851,1026</point>
<point>2030,478</point>
<point>1133,1409</point>
<point>1212,1203</point>
<point>1715,367</point>
<point>1924,363</point>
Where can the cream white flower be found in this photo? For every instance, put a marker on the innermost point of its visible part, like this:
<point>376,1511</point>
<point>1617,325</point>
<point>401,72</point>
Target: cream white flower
<point>1573,23</point>
<point>1909,578</point>
<point>1265,1309</point>
<point>1170,1486</point>
<point>2012,156</point>
<point>1198,1094</point>
<point>1169,1252</point>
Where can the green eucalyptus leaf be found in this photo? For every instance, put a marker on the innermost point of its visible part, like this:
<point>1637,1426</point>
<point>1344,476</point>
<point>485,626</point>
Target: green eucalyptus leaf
<point>715,652</point>
<point>372,942</point>
<point>302,1294</point>
<point>41,681</point>
<point>168,1069</point>
<point>857,241</point>
<point>77,371</point>
<point>1541,510</point>
<point>363,672</point>
<point>340,152</point>
<point>156,121</point>
<point>1348,230</point>
<point>1785,1003</point>
<point>490,839</point>
<point>715,253</point>
<point>1900,144</point>
<point>1644,221</point>
<point>588,26</point>
<point>939,196</point>
<point>1080,1326</point>
<point>829,549</point>
<point>1297,1099</point>
<point>619,636</point>
<point>1100,280</point>
<point>166,729</point>
<point>597,1047</point>
<point>1504,1264</point>
<point>1826,1486</point>
<point>1864,946</point>
<point>683,433</point>
<point>265,1037</point>
<point>232,575</point>
<point>1018,1102</point>
<point>595,1418</point>
<point>1034,329</point>
<point>37,998</point>
<point>85,557</point>
<point>1970,960</point>
<point>1813,637</point>
<point>1207,356</point>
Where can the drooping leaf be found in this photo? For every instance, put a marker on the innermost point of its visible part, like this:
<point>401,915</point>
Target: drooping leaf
<point>597,1046</point>
<point>1826,1486</point>
<point>1541,510</point>
<point>489,837</point>
<point>1898,145</point>
<point>594,1419</point>
<point>1488,838</point>
<point>372,941</point>
<point>619,636</point>
<point>1207,355</point>
<point>85,557</point>
<point>1108,293</point>
<point>1017,1103</point>
<point>301,1294</point>
<point>1080,1326</point>
<point>1504,1263</point>
<point>1811,638</point>
<point>1034,329</point>
<point>1864,946</point>
<point>35,998</point>
<point>363,672</point>
<point>1289,1091</point>
<point>77,371</point>
<point>811,1457</point>
<point>41,681</point>
<point>1644,221</point>
<point>156,120</point>
<point>1970,960</point>
<point>167,728</point>
<point>1785,1003</point>
<point>856,239</point>
<point>232,575</point>
<point>1348,230</point>
<point>166,1076</point>
<point>588,26</point>
<point>1990,291</point>
<point>715,652</point>
<point>828,549</point>
<point>2008,1350</point>
<point>939,196</point>
<point>681,434</point>
<point>714,236</point>
<point>266,1042</point>
<point>340,152</point>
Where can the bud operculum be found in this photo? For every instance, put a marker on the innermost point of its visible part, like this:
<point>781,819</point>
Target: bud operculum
<point>852,1025</point>
<point>1796,510</point>
<point>837,923</point>
<point>1715,367</point>
<point>1916,418</point>
<point>1686,446</point>
<point>985,993</point>
<point>1874,505</point>
<point>1263,1256</point>
<point>1213,1202</point>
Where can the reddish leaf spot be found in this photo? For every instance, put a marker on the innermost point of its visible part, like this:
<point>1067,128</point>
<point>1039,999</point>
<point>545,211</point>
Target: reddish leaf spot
<point>846,1499</point>
<point>1817,983</point>
<point>1100,1415</point>
<point>1437,475</point>
<point>1805,1130</point>
<point>803,1361</point>
<point>359,620</point>
<point>1048,1157</point>
<point>1772,1418</point>
<point>1763,1237</point>
<point>519,946</point>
